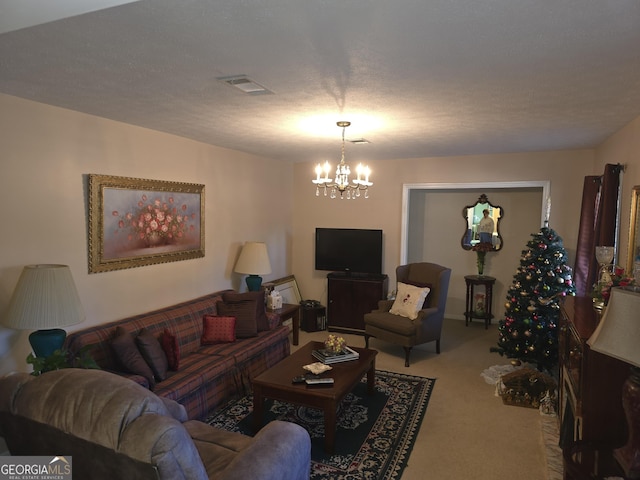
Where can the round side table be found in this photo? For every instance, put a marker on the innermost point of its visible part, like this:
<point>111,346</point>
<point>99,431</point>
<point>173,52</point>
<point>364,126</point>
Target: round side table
<point>472,281</point>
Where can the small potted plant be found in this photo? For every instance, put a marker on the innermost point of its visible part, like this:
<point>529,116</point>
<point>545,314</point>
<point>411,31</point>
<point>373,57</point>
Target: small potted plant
<point>60,359</point>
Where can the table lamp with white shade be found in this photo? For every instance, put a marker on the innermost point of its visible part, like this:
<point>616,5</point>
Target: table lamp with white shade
<point>618,336</point>
<point>45,299</point>
<point>254,261</point>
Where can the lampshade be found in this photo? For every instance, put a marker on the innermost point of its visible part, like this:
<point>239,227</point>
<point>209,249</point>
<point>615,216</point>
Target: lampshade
<point>618,333</point>
<point>44,298</point>
<point>254,259</point>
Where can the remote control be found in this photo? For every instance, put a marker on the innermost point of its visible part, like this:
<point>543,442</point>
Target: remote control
<point>304,378</point>
<point>319,381</point>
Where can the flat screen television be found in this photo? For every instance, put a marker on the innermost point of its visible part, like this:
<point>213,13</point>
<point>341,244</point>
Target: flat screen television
<point>349,250</point>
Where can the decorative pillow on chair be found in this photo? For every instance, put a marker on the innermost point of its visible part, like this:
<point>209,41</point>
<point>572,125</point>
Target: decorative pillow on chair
<point>171,349</point>
<point>153,353</point>
<point>127,353</point>
<point>218,329</point>
<point>245,313</point>
<point>409,300</point>
<point>427,300</point>
<point>261,311</point>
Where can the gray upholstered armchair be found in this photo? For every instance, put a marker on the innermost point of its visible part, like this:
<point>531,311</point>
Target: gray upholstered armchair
<point>114,428</point>
<point>427,327</point>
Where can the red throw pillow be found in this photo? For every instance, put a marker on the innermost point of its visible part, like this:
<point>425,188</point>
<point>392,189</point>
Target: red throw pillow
<point>171,349</point>
<point>218,329</point>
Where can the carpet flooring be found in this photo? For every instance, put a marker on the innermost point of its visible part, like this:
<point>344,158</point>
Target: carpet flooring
<point>375,433</point>
<point>551,438</point>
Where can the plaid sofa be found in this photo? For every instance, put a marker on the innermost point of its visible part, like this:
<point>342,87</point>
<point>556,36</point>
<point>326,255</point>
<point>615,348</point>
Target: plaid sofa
<point>208,376</point>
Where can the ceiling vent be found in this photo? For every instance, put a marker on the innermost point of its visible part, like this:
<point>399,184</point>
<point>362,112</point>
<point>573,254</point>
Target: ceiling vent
<point>244,83</point>
<point>359,141</point>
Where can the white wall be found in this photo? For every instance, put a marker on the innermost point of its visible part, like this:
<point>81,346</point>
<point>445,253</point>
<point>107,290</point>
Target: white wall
<point>437,226</point>
<point>46,154</point>
<point>565,170</point>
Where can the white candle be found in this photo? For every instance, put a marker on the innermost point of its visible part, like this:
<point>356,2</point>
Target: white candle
<point>327,169</point>
<point>548,208</point>
<point>318,172</point>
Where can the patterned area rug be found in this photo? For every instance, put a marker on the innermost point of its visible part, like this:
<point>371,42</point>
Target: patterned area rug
<point>375,433</point>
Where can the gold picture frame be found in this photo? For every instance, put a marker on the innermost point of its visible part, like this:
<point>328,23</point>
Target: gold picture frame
<point>135,222</point>
<point>288,288</point>
<point>634,233</point>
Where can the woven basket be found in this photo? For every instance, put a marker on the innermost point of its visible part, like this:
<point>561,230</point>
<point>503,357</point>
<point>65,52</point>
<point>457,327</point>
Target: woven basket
<point>525,388</point>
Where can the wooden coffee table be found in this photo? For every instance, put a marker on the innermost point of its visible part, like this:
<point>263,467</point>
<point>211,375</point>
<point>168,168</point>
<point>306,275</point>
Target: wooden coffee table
<point>276,384</point>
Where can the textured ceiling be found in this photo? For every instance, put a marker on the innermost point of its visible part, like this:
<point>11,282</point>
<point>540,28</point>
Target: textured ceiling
<point>416,78</point>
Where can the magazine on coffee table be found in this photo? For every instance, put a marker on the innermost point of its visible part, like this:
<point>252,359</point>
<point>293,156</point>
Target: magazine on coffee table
<point>327,357</point>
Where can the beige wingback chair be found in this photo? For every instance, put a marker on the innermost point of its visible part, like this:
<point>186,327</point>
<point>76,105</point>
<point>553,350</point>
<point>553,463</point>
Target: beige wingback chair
<point>427,327</point>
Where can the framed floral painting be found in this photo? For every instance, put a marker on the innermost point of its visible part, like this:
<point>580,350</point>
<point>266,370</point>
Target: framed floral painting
<point>135,222</point>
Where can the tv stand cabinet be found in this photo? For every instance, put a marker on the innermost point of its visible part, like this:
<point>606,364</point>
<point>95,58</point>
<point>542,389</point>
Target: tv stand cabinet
<point>350,297</point>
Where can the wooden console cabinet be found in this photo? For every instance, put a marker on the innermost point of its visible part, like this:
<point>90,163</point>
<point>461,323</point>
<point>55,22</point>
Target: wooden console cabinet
<point>589,390</point>
<point>350,297</point>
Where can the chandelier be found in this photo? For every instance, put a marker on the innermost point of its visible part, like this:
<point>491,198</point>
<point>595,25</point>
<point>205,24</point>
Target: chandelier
<point>341,181</point>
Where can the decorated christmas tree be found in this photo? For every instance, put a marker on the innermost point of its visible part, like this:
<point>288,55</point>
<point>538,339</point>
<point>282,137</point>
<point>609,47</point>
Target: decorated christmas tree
<point>529,331</point>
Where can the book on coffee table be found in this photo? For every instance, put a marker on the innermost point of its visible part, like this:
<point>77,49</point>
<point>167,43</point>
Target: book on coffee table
<point>328,357</point>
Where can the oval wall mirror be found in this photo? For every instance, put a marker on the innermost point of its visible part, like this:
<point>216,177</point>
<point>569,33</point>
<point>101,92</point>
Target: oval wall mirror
<point>482,224</point>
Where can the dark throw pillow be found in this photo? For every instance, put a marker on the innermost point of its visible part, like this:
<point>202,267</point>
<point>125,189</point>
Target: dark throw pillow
<point>171,349</point>
<point>261,310</point>
<point>245,313</point>
<point>130,358</point>
<point>218,329</point>
<point>153,353</point>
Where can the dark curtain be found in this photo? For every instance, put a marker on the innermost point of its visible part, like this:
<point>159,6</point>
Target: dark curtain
<point>598,219</point>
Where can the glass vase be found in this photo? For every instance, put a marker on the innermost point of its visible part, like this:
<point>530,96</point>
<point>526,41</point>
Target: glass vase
<point>480,262</point>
